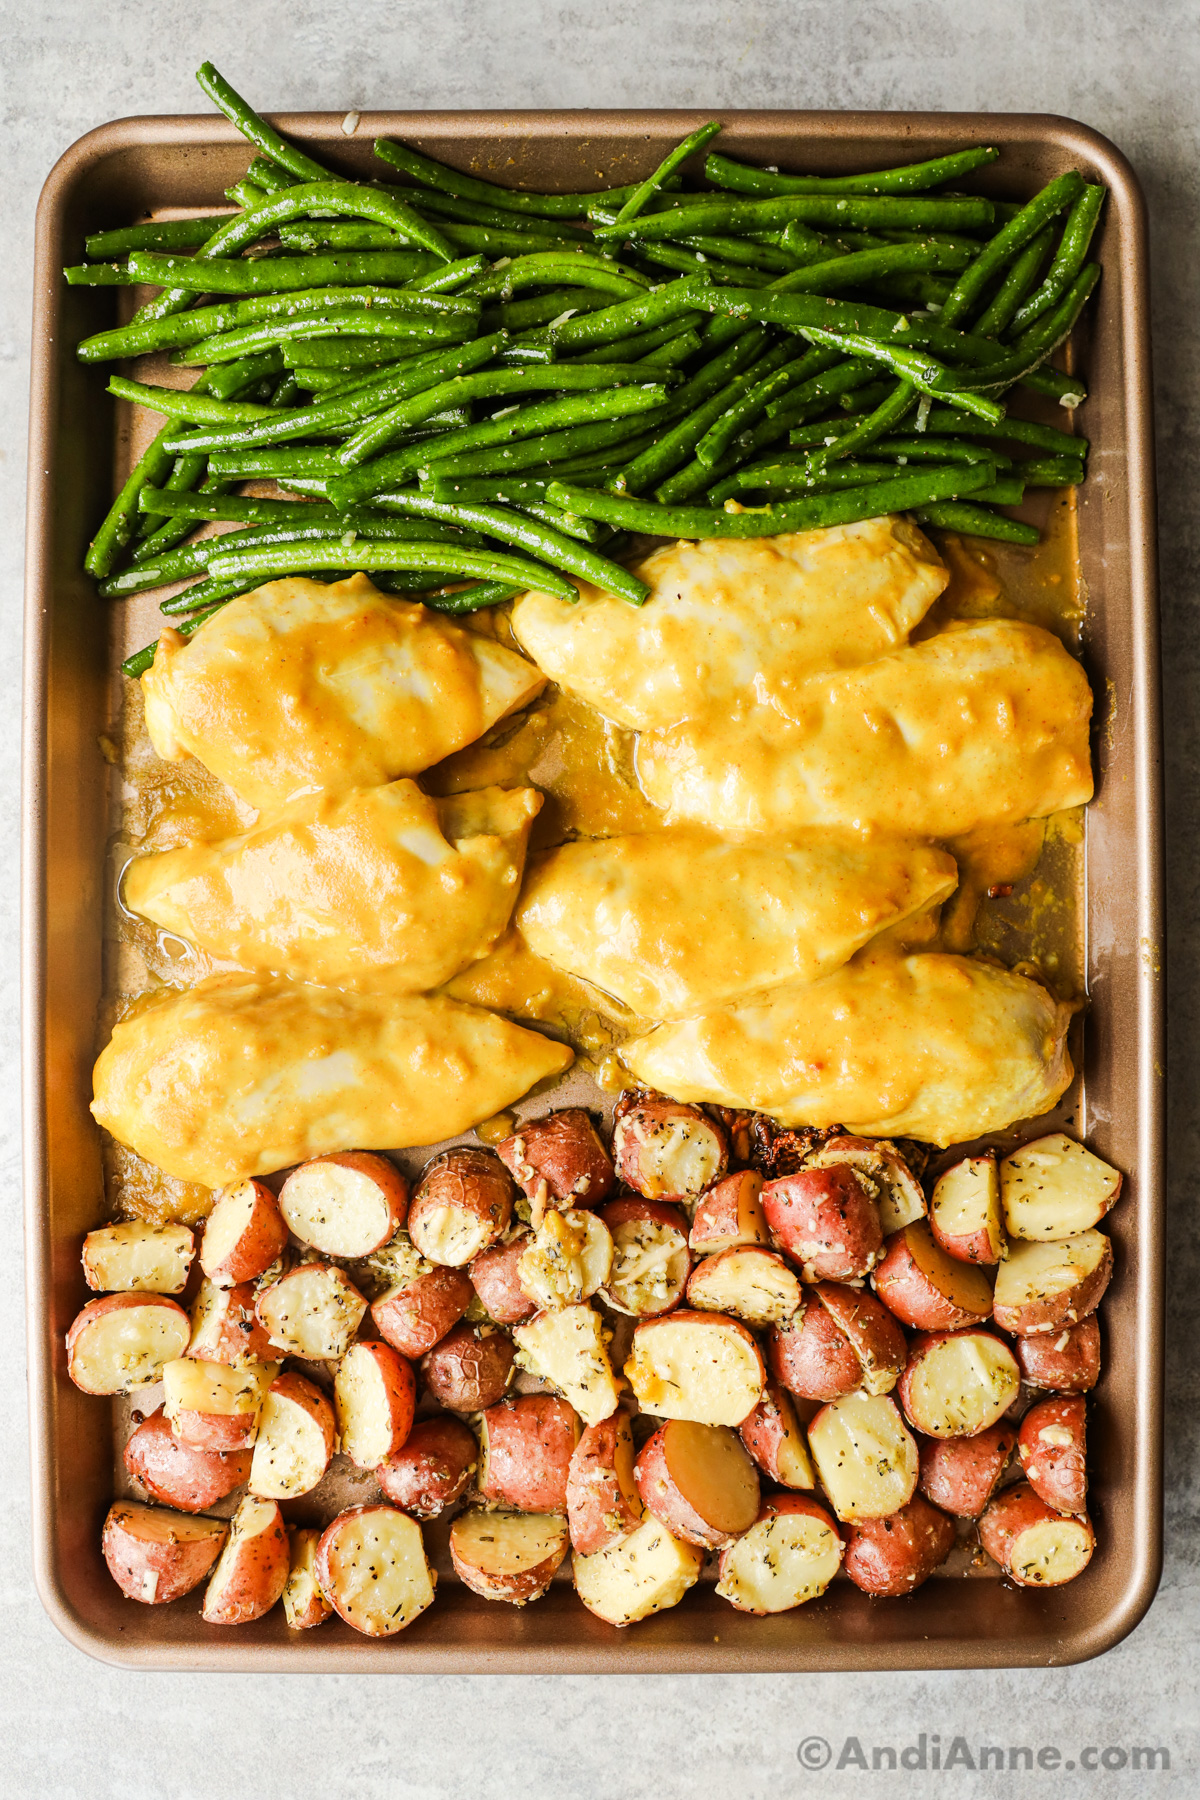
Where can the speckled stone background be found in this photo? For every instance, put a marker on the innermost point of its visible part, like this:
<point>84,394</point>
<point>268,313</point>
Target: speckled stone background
<point>69,1727</point>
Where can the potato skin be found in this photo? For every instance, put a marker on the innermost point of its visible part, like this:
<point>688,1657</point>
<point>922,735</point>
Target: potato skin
<point>303,1602</point>
<point>870,1329</point>
<point>257,1574</point>
<point>811,1357</point>
<point>528,1443</point>
<point>960,1474</point>
<point>132,1556</point>
<point>471,1183</point>
<point>775,1506</point>
<point>662,1497</point>
<point>1066,1362</point>
<point>826,1221</point>
<point>470,1369</point>
<point>518,1586</point>
<point>1052,1446</point>
<point>895,1555</point>
<point>631,1209</point>
<point>494,1277</point>
<point>1013,1511</point>
<point>432,1470</point>
<point>767,1428</point>
<point>644,1134</point>
<point>600,1511</point>
<point>99,1309</point>
<point>927,1343</point>
<point>416,1316</point>
<point>225,1326</point>
<point>1060,1310</point>
<point>389,1182</point>
<point>559,1160</point>
<point>177,1474</point>
<point>911,1295</point>
<point>729,1215</point>
<point>263,1238</point>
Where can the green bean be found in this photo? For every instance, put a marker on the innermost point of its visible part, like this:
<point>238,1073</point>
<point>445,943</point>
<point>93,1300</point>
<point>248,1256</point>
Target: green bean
<point>767,477</point>
<point>669,355</point>
<point>348,355</point>
<point>721,214</point>
<point>430,174</point>
<point>550,268</point>
<point>673,256</point>
<point>448,278</point>
<point>637,347</point>
<point>100,274</point>
<point>1018,279</point>
<point>551,449</point>
<point>188,474</point>
<point>777,372</point>
<point>1017,431</point>
<point>876,424</point>
<point>269,176</point>
<point>977,521</point>
<point>245,193</point>
<point>364,322</point>
<point>157,540</point>
<point>862,267</point>
<point>705,397</point>
<point>492,565</point>
<point>243,507</point>
<point>175,565</point>
<point>274,274</point>
<point>619,321</point>
<point>1055,384</point>
<point>646,190</point>
<point>740,250</point>
<point>1012,237</point>
<point>544,309</point>
<point>586,530</point>
<point>918,367</point>
<point>243,115</point>
<point>912,178</point>
<point>262,465</point>
<point>327,383</point>
<point>1068,258</point>
<point>158,234</point>
<point>1052,471</point>
<point>920,446</point>
<point>472,212</point>
<point>1041,339</point>
<point>178,403</point>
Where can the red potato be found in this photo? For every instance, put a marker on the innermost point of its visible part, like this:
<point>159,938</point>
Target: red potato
<point>417,1313</point>
<point>432,1469</point>
<point>644,1573</point>
<point>754,1285</point>
<point>1055,1188</point>
<point>895,1187</point>
<point>1044,1287</point>
<point>1034,1545</point>
<point>157,1556</point>
<point>729,1216</point>
<point>699,1481</point>
<point>568,1349</point>
<point>304,1605</point>
<point>177,1474</point>
<point>136,1257</point>
<point>696,1365</point>
<point>961,1474</point>
<point>1067,1362</point>
<point>663,1149</point>
<point>790,1555</point>
<point>773,1436</point>
<point>345,1205</point>
<point>296,1439</point>
<point>651,1260</point>
<point>508,1556</point>
<point>212,1406</point>
<point>958,1383</point>
<point>470,1369</point>
<point>312,1311</point>
<point>525,1450</point>
<point>965,1215</point>
<point>1052,1446</point>
<point>253,1567</point>
<point>827,1220</point>
<point>603,1503</point>
<point>225,1326</point>
<point>924,1287</point>
<point>244,1234</point>
<point>866,1460</point>
<point>811,1356</point>
<point>463,1205</point>
<point>568,1259</point>
<point>371,1566</point>
<point>893,1556</point>
<point>558,1161</point>
<point>872,1331</point>
<point>495,1278</point>
<point>374,1395</point>
<point>123,1342</point>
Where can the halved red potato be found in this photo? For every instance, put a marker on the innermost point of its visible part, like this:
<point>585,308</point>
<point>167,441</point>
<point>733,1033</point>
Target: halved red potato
<point>965,1215</point>
<point>568,1349</point>
<point>417,1313</point>
<point>754,1285</point>
<point>827,1220</point>
<point>789,1555</point>
<point>496,1279</point>
<point>773,1436</point>
<point>432,1469</point>
<point>463,1205</point>
<point>525,1450</point>
<point>696,1365</point>
<point>895,1187</point>
<point>155,1555</point>
<point>178,1474</point>
<point>663,1149</point>
<point>508,1556</point>
<point>958,1383</point>
<point>304,1605</point>
<point>651,1260</point>
<point>811,1356</point>
<point>345,1205</point>
<point>895,1555</point>
<point>1067,1362</point>
<point>1044,1287</point>
<point>296,1438</point>
<point>699,1481</point>
<point>872,1331</point>
<point>961,1474</point>
<point>243,1235</point>
<point>924,1287</point>
<point>213,1406</point>
<point>567,1260</point>
<point>603,1503</point>
<point>138,1258</point>
<point>470,1368</point>
<point>374,1393</point>
<point>253,1567</point>
<point>225,1326</point>
<point>558,1160</point>
<point>123,1342</point>
<point>866,1458</point>
<point>371,1565</point>
<point>1034,1545</point>
<point>729,1215</point>
<point>1055,1188</point>
<point>313,1310</point>
<point>644,1573</point>
<point>1052,1446</point>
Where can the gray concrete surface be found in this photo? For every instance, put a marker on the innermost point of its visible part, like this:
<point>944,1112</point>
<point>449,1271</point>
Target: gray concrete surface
<point>69,1727</point>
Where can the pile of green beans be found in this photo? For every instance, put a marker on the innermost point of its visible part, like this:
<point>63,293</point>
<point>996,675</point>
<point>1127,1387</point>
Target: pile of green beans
<point>465,389</point>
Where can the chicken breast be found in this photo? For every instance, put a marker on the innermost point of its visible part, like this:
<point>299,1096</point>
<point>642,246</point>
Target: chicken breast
<point>676,922</point>
<point>984,722</point>
<point>733,624</point>
<point>941,1048</point>
<point>343,884</point>
<point>300,688</point>
<point>242,1076</point>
